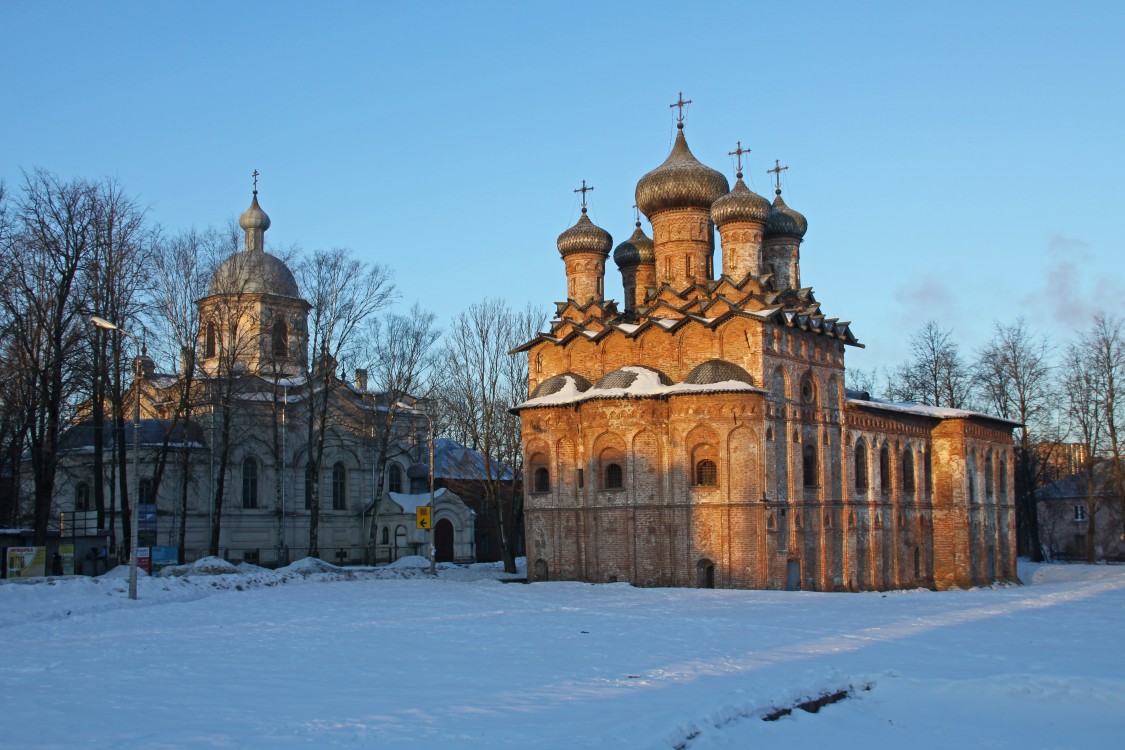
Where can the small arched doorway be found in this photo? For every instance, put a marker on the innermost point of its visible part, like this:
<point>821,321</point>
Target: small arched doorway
<point>443,541</point>
<point>705,573</point>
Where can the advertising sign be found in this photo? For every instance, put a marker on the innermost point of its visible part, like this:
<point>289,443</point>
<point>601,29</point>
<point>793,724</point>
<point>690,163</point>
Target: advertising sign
<point>144,559</point>
<point>26,562</point>
<point>162,557</point>
<point>67,552</point>
<point>146,517</point>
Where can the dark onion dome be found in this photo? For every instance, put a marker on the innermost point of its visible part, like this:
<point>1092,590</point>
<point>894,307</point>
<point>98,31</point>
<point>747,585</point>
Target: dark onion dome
<point>740,204</point>
<point>556,383</point>
<point>635,250</point>
<point>680,182</point>
<point>254,217</point>
<point>717,371</point>
<point>420,470</point>
<point>253,272</point>
<point>784,221</point>
<point>585,237</point>
<point>626,376</point>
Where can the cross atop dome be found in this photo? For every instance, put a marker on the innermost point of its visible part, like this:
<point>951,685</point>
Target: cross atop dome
<point>738,152</point>
<point>583,190</point>
<point>776,171</point>
<point>681,104</point>
<point>255,175</point>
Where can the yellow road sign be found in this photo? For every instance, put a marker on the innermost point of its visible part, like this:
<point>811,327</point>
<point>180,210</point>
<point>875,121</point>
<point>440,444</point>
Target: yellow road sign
<point>422,517</point>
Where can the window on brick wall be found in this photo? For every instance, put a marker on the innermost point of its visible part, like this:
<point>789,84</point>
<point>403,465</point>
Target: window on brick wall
<point>808,465</point>
<point>614,477</point>
<point>908,470</point>
<point>861,466</point>
<point>989,479</point>
<point>884,470</point>
<point>542,479</point>
<point>706,473</point>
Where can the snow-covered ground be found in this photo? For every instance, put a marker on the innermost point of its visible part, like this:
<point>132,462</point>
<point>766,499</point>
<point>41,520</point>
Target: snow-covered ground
<point>314,655</point>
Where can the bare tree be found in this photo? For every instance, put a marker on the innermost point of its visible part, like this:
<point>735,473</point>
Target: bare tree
<point>1105,345</point>
<point>481,382</point>
<point>1014,376</point>
<point>182,269</point>
<point>41,259</point>
<point>345,294</point>
<point>1085,411</point>
<point>400,357</point>
<point>935,374</point>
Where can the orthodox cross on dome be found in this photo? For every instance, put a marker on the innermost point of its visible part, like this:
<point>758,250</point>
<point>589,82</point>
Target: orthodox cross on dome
<point>583,190</point>
<point>738,152</point>
<point>777,170</point>
<point>255,182</point>
<point>636,214</point>
<point>681,104</point>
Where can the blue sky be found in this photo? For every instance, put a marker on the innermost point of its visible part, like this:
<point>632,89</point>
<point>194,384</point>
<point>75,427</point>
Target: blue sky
<point>958,161</point>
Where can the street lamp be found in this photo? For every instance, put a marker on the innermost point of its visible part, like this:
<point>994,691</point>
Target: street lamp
<point>134,512</point>
<point>430,422</point>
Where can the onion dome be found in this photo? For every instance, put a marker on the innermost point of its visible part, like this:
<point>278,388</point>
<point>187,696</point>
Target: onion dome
<point>680,182</point>
<point>784,221</point>
<point>254,273</point>
<point>585,237</point>
<point>717,371</point>
<point>420,470</point>
<point>740,204</point>
<point>635,250</point>
<point>556,383</point>
<point>254,217</point>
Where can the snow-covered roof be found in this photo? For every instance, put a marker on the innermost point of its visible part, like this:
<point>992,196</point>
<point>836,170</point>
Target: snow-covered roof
<point>410,503</point>
<point>935,412</point>
<point>646,383</point>
<point>455,461</point>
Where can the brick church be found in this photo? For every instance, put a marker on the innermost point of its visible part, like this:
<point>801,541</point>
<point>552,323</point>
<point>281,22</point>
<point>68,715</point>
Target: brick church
<point>701,434</point>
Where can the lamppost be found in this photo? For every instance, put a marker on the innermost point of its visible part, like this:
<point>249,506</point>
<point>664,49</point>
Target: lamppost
<point>134,512</point>
<point>430,422</point>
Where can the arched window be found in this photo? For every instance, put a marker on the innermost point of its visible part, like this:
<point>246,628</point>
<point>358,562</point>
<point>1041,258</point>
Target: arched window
<point>808,391</point>
<point>386,539</point>
<point>908,470</point>
<point>210,341</point>
<point>861,466</point>
<point>988,477</point>
<point>706,473</point>
<point>394,478</point>
<point>82,496</point>
<point>339,486</point>
<point>1004,476</point>
<point>614,477</point>
<point>280,339</point>
<point>808,465</point>
<point>249,483</point>
<point>929,467</point>
<point>308,486</point>
<point>542,479</point>
<point>884,470</point>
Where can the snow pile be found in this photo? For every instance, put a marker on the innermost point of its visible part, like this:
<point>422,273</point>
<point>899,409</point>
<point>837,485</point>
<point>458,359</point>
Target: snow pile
<point>205,566</point>
<point>410,561</point>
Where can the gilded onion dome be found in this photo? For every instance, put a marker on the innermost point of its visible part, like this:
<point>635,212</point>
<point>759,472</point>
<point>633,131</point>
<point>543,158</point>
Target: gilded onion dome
<point>254,217</point>
<point>784,221</point>
<point>635,250</point>
<point>740,204</point>
<point>585,237</point>
<point>680,182</point>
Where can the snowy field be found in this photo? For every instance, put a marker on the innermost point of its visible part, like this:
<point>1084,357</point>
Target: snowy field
<point>316,656</point>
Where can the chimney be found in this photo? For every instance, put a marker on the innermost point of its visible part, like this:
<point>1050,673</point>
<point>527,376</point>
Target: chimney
<point>361,379</point>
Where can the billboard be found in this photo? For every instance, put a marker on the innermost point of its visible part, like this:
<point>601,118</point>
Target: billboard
<point>26,562</point>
